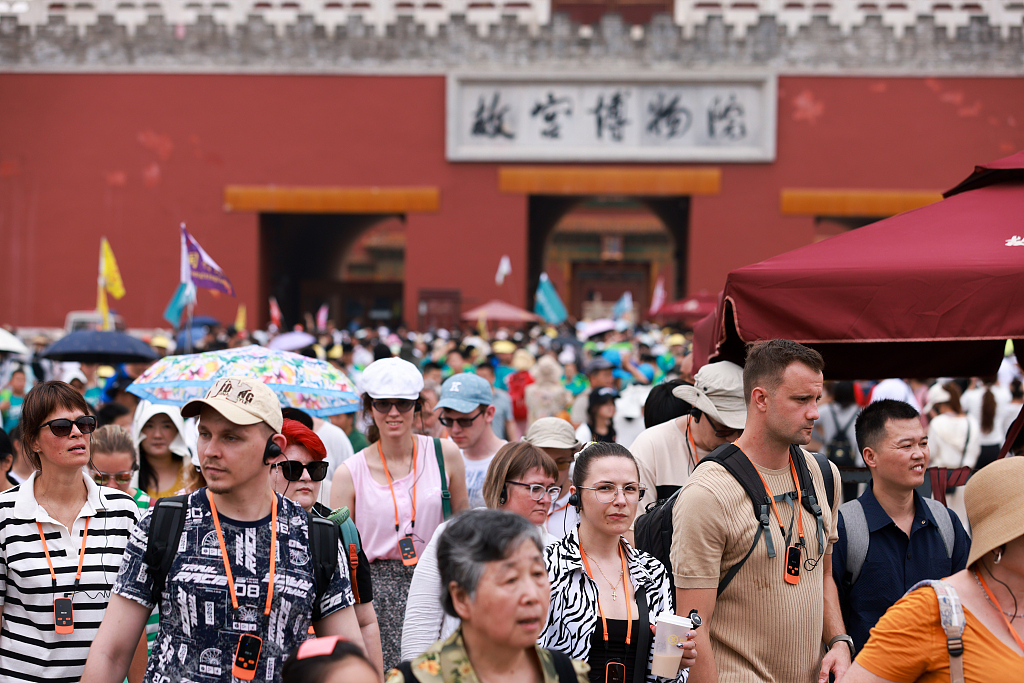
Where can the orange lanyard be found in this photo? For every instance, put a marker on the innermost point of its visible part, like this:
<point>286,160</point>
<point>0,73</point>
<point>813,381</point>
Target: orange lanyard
<point>799,502</point>
<point>81,555</point>
<point>224,552</point>
<point>995,603</point>
<point>625,588</point>
<point>693,447</point>
<point>558,509</point>
<point>392,486</point>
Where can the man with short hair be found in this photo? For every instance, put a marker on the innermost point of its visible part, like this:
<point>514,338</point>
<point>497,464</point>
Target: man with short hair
<point>223,596</point>
<point>504,422</point>
<point>557,438</point>
<point>767,625</point>
<point>467,411</point>
<point>600,374</point>
<point>667,453</point>
<point>903,532</point>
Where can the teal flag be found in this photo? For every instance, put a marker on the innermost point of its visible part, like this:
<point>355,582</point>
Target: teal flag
<point>548,305</point>
<point>182,297</point>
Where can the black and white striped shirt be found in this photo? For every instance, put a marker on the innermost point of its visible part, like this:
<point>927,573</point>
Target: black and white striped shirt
<point>30,648</point>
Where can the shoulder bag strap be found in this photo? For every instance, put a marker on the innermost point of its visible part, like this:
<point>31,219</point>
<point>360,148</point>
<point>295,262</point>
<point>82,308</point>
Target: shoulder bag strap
<point>446,496</point>
<point>643,639</point>
<point>563,667</point>
<point>951,618</point>
<point>942,520</point>
<point>967,441</point>
<point>164,533</point>
<point>857,540</point>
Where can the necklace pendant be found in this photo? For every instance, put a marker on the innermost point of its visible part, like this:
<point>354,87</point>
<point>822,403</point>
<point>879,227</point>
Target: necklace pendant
<point>614,597</point>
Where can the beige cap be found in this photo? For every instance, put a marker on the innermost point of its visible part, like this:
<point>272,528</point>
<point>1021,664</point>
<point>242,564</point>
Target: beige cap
<point>551,432</point>
<point>717,392</point>
<point>937,395</point>
<point>242,400</point>
<point>994,498</point>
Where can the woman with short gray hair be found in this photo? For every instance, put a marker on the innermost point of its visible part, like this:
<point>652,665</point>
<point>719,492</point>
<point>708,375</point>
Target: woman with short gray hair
<point>495,581</point>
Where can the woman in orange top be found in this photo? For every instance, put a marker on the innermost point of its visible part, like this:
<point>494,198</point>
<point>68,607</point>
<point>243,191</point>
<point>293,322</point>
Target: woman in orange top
<point>908,643</point>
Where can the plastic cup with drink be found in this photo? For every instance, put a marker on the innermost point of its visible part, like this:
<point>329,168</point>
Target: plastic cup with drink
<point>671,630</point>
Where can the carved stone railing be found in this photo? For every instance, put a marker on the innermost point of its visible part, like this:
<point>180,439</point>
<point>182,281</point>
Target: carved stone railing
<point>905,36</point>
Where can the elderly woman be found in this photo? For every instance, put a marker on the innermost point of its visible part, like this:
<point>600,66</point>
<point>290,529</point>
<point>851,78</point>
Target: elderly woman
<point>494,580</point>
<point>60,544</point>
<point>297,474</point>
<point>520,479</point>
<point>606,593</point>
<point>909,642</point>
<point>395,489</point>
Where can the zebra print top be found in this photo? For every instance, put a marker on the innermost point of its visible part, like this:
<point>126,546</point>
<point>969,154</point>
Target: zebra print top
<point>573,614</point>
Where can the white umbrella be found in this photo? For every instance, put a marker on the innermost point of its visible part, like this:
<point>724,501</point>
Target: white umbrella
<point>11,344</point>
<point>291,341</point>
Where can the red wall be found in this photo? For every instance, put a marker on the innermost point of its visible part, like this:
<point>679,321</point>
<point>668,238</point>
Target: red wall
<point>131,156</point>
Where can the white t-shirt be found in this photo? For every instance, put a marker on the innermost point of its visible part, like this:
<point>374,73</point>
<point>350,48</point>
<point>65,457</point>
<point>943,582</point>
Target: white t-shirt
<point>476,472</point>
<point>339,449</point>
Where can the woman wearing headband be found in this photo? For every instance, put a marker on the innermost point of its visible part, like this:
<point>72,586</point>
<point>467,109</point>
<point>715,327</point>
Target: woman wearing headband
<point>605,594</point>
<point>520,479</point>
<point>297,474</point>
<point>394,490</point>
<point>60,544</point>
<point>909,642</point>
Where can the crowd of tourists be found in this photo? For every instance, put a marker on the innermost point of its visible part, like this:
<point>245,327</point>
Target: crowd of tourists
<point>466,523</point>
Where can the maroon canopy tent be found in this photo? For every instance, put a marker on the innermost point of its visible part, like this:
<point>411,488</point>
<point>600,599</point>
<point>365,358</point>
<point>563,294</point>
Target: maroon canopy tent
<point>691,309</point>
<point>933,291</point>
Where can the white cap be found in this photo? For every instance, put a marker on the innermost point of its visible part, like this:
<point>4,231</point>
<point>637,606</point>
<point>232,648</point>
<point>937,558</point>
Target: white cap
<point>392,378</point>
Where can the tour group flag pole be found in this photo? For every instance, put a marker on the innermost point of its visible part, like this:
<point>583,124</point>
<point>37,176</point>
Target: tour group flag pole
<point>547,303</point>
<point>109,281</point>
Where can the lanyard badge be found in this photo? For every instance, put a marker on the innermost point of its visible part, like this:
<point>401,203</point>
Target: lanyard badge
<point>63,608</point>
<point>406,548</point>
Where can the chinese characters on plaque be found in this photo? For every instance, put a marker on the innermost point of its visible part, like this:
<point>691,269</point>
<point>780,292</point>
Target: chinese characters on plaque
<point>687,120</point>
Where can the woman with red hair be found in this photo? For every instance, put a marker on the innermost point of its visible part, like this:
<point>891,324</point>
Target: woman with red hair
<point>297,474</point>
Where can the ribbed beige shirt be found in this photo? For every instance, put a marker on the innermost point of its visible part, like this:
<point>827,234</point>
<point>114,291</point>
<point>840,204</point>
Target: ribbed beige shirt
<point>763,629</point>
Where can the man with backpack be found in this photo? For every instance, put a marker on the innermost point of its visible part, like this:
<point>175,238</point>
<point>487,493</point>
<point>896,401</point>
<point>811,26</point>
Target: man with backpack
<point>891,538</point>
<point>238,571</point>
<point>762,581</point>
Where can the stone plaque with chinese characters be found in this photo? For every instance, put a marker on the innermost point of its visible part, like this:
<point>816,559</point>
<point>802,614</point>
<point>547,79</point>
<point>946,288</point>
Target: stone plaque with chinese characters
<point>546,118</point>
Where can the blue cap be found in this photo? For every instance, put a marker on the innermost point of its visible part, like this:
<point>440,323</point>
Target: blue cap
<point>465,392</point>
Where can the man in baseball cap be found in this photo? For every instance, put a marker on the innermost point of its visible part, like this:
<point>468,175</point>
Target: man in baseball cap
<point>557,438</point>
<point>667,453</point>
<point>467,410</point>
<point>223,595</point>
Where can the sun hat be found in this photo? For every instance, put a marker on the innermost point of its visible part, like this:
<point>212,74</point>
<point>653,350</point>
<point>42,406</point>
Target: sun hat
<point>241,400</point>
<point>503,346</point>
<point>717,391</point>
<point>994,498</point>
<point>392,378</point>
<point>936,394</point>
<point>522,360</point>
<point>464,393</point>
<point>552,432</point>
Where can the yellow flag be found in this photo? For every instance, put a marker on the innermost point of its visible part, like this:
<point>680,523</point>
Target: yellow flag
<point>240,318</point>
<point>109,274</point>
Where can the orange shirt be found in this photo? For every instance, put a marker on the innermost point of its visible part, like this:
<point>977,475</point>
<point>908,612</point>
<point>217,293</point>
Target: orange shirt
<point>908,644</point>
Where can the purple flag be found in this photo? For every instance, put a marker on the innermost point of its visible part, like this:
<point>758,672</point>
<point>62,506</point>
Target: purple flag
<point>203,270</point>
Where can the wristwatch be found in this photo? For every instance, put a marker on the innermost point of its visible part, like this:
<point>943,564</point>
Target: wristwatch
<point>846,639</point>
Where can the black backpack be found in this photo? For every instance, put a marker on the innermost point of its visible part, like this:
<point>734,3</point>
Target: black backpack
<point>652,531</point>
<point>839,449</point>
<point>168,521</point>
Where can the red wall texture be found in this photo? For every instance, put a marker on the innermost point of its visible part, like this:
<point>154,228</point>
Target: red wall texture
<point>131,156</point>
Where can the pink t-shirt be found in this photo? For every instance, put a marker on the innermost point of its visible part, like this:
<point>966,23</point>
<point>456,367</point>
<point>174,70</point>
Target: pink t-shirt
<point>375,509</point>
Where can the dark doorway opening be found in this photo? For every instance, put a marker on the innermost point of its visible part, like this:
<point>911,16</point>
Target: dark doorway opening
<point>306,260</point>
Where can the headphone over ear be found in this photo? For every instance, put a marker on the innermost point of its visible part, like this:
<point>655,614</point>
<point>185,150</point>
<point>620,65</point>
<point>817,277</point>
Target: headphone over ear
<point>575,501</point>
<point>271,451</point>
<point>504,495</point>
<point>696,414</point>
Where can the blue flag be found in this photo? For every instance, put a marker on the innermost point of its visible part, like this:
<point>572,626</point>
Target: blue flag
<point>183,295</point>
<point>624,307</point>
<point>548,304</point>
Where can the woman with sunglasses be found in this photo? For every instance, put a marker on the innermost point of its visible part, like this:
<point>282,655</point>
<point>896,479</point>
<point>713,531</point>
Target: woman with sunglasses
<point>164,458</point>
<point>393,489</point>
<point>605,594</point>
<point>297,474</point>
<point>520,479</point>
<point>60,544</point>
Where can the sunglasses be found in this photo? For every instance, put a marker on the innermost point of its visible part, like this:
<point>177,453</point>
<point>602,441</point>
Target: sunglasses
<point>101,478</point>
<point>62,426</point>
<point>292,469</point>
<point>404,405</point>
<point>464,422</point>
<point>723,432</point>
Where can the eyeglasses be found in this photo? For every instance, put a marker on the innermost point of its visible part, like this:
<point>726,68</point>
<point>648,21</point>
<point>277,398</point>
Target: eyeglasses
<point>292,469</point>
<point>404,405</point>
<point>538,491</point>
<point>464,422</point>
<point>723,432</point>
<point>62,426</point>
<point>101,478</point>
<point>606,493</point>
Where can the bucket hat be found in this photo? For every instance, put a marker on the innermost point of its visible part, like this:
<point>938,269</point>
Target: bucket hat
<point>994,498</point>
<point>717,392</point>
<point>552,432</point>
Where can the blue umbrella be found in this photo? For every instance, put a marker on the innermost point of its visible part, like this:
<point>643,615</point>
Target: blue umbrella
<point>98,346</point>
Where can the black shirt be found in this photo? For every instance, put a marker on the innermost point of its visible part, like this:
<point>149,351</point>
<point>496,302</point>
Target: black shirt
<point>615,650</point>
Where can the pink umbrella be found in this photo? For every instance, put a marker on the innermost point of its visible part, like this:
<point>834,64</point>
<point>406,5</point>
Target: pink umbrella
<point>501,311</point>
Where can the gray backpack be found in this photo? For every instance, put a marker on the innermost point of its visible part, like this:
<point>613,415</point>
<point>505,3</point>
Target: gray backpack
<point>858,538</point>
